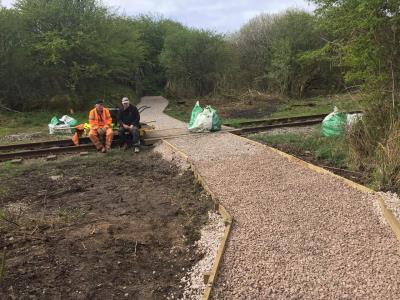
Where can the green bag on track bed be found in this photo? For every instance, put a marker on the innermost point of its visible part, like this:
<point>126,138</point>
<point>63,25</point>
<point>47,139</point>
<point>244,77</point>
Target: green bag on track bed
<point>204,120</point>
<point>71,122</point>
<point>216,123</point>
<point>64,126</point>
<point>196,110</point>
<point>334,124</point>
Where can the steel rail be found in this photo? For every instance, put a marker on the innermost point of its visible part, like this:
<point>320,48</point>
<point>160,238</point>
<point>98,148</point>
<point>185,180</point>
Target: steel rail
<point>8,152</point>
<point>268,124</point>
<point>285,120</point>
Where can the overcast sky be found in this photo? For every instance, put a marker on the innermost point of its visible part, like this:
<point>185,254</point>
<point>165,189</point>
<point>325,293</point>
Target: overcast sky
<point>218,15</point>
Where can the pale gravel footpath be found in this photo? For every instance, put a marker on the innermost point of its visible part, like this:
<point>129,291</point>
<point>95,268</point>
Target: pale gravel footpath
<point>155,113</point>
<point>211,237</point>
<point>297,234</point>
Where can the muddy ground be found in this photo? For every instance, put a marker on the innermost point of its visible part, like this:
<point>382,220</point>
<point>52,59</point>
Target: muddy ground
<point>255,108</point>
<point>114,227</point>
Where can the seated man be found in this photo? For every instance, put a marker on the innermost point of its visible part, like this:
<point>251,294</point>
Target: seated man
<point>128,120</point>
<point>100,125</point>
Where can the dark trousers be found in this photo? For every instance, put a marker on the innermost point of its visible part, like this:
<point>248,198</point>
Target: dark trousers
<point>129,136</point>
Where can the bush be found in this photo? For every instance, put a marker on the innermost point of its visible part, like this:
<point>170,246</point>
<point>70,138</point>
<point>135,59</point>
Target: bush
<point>374,142</point>
<point>195,61</point>
<point>387,158</point>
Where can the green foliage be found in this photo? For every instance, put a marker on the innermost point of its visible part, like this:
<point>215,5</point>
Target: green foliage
<point>65,48</point>
<point>16,69</point>
<point>365,44</point>
<point>194,61</point>
<point>294,33</point>
<point>252,44</point>
<point>150,76</point>
<point>365,37</point>
<point>79,51</point>
<point>282,53</point>
<point>374,142</point>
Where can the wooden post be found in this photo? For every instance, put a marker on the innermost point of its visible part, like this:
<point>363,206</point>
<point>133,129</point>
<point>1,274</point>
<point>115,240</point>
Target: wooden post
<point>17,161</point>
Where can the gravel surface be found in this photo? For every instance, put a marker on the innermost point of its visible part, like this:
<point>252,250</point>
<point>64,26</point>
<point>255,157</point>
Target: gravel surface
<point>155,113</point>
<point>392,202</point>
<point>211,236</point>
<point>297,233</point>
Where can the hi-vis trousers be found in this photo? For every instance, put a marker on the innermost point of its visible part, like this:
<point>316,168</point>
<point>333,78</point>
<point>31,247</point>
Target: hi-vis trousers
<point>95,137</point>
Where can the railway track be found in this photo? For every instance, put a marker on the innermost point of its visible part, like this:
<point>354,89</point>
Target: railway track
<point>265,124</point>
<point>38,149</point>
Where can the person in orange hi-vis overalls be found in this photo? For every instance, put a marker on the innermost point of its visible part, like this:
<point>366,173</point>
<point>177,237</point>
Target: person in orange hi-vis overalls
<point>100,124</point>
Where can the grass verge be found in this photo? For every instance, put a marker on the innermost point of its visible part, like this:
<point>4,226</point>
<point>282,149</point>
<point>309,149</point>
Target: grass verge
<point>329,150</point>
<point>330,153</point>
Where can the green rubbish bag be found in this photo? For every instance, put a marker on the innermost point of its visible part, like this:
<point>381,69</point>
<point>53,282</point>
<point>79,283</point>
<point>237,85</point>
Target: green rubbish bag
<point>195,112</point>
<point>334,124</point>
<point>71,122</point>
<point>216,123</point>
<point>54,121</point>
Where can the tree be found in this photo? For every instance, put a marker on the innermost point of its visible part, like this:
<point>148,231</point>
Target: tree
<point>293,34</point>
<point>365,42</point>
<point>365,39</point>
<point>150,76</point>
<point>16,67</point>
<point>253,44</point>
<point>194,60</point>
<point>74,48</point>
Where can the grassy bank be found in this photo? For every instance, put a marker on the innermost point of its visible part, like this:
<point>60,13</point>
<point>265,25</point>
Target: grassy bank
<point>318,105</point>
<point>328,150</point>
<point>30,122</point>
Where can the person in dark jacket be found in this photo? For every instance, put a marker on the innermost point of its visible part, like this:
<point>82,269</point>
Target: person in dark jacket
<point>128,120</point>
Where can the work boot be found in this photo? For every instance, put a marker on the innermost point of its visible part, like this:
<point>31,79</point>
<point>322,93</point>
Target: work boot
<point>136,149</point>
<point>103,150</point>
<point>124,147</point>
<point>108,148</point>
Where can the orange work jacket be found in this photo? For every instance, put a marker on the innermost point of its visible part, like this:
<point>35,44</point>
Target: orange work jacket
<point>97,120</point>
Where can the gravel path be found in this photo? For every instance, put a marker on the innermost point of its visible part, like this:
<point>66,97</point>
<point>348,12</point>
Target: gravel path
<point>297,233</point>
<point>155,113</point>
<point>211,236</point>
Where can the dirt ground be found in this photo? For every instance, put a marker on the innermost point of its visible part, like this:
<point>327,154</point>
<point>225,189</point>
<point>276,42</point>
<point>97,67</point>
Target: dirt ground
<point>227,109</point>
<point>120,227</point>
<point>251,109</point>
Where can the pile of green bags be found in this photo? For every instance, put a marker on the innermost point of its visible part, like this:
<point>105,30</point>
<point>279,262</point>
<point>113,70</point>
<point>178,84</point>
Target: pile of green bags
<point>203,120</point>
<point>64,125</point>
